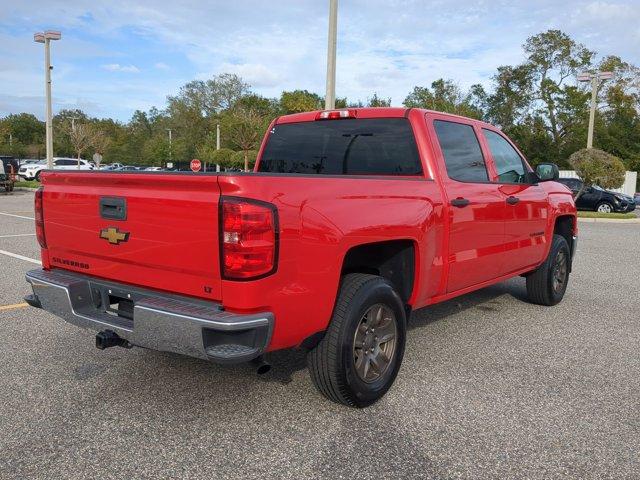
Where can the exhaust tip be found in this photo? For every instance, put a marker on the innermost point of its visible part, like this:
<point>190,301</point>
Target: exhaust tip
<point>262,367</point>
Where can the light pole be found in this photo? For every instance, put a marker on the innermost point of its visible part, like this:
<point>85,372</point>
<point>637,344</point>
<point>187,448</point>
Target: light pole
<point>594,78</point>
<point>170,160</point>
<point>218,136</point>
<point>46,38</point>
<point>330,96</point>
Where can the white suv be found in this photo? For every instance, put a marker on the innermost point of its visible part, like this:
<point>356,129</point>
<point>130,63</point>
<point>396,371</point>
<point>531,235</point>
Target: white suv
<point>32,171</point>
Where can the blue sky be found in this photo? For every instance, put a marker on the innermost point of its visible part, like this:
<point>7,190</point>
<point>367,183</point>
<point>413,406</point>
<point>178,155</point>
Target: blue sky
<point>119,56</point>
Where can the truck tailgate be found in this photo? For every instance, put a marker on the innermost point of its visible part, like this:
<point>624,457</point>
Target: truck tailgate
<point>166,239</point>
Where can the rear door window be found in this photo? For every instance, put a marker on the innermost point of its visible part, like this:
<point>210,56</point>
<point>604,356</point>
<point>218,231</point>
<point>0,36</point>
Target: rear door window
<point>461,151</point>
<point>380,146</point>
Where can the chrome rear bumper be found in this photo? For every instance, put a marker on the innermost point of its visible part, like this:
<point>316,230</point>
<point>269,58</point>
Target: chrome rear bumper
<point>157,320</point>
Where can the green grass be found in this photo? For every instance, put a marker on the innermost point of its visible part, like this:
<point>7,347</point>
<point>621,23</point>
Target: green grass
<point>606,215</point>
<point>28,184</point>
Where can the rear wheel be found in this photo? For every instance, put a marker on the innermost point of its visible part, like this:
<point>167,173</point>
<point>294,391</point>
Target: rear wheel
<point>604,207</point>
<point>359,357</point>
<point>37,176</point>
<point>547,284</point>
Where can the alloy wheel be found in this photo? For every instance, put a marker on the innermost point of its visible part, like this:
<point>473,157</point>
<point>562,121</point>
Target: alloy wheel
<point>374,343</point>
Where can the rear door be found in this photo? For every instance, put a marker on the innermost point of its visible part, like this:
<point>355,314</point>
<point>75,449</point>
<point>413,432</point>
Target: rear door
<point>477,207</point>
<point>526,215</point>
<point>150,230</point>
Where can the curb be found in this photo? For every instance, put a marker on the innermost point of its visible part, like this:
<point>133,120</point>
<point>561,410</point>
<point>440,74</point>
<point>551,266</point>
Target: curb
<point>609,220</point>
<point>24,189</point>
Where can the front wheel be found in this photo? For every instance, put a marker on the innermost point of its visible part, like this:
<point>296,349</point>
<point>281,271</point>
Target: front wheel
<point>358,359</point>
<point>548,283</point>
<point>37,176</point>
<point>604,207</point>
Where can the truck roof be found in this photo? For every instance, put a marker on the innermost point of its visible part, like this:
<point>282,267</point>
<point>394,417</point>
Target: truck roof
<point>370,112</point>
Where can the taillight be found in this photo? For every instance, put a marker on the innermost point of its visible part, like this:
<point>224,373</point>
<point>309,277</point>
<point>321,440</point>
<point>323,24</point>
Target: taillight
<point>335,114</point>
<point>248,238</point>
<point>39,218</point>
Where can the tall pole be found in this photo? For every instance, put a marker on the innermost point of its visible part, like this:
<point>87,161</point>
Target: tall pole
<point>592,114</point>
<point>169,130</point>
<point>218,136</point>
<point>330,96</point>
<point>49,131</point>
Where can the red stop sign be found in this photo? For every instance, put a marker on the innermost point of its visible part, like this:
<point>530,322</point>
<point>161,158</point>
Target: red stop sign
<point>195,165</point>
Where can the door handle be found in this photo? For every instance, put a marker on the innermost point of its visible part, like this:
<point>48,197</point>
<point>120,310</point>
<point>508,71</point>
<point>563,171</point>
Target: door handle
<point>512,200</point>
<point>460,202</point>
<point>113,208</point>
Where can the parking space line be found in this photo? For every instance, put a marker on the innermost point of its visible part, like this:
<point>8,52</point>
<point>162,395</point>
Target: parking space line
<point>21,257</point>
<point>18,235</point>
<point>15,305</point>
<point>17,216</point>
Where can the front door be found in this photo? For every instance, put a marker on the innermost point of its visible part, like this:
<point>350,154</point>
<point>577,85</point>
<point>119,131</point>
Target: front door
<point>477,207</point>
<point>526,215</point>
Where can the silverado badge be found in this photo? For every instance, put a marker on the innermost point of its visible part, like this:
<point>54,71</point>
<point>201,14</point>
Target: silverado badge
<point>113,235</point>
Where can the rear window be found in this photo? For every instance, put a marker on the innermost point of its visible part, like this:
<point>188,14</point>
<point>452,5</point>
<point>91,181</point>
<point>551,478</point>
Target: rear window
<point>380,146</point>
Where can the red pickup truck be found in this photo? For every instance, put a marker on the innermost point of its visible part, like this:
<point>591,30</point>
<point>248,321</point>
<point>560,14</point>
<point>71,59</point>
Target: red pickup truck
<point>350,220</point>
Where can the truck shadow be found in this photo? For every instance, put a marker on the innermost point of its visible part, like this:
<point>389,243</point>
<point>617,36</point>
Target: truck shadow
<point>286,362</point>
<point>485,300</point>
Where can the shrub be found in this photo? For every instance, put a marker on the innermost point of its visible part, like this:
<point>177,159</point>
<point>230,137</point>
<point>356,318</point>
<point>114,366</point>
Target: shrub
<point>596,167</point>
<point>237,160</point>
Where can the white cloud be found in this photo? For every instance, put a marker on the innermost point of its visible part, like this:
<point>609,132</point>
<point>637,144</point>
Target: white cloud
<point>386,46</point>
<point>116,67</point>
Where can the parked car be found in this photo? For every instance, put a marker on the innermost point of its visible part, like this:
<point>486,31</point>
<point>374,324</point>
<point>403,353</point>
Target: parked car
<point>128,168</point>
<point>29,161</point>
<point>598,199</point>
<point>32,171</point>
<point>154,169</point>
<point>8,172</point>
<point>111,166</point>
<point>352,219</point>
<point>636,198</point>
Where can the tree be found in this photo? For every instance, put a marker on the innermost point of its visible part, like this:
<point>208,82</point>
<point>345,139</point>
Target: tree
<point>443,96</point>
<point>245,158</point>
<point>300,101</point>
<point>100,142</point>
<point>376,101</point>
<point>212,96</point>
<point>245,130</point>
<point>553,59</point>
<point>223,157</point>
<point>81,137</point>
<point>596,167</point>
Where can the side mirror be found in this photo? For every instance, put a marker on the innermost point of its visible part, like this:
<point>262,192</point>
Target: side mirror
<point>547,172</point>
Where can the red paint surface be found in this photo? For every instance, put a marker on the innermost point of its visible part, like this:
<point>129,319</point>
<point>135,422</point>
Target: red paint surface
<point>174,237</point>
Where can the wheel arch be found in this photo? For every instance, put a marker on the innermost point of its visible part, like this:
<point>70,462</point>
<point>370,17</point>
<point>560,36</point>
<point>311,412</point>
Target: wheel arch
<point>564,226</point>
<point>394,260</point>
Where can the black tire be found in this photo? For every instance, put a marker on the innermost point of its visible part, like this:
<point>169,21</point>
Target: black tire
<point>37,176</point>
<point>543,285</point>
<point>332,362</point>
<point>605,205</point>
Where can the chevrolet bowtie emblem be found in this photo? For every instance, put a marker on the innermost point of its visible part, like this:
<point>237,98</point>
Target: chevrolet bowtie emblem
<point>113,235</point>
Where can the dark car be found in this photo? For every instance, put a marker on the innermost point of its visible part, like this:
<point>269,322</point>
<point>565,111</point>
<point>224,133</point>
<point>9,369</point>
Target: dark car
<point>636,197</point>
<point>598,199</point>
<point>8,170</point>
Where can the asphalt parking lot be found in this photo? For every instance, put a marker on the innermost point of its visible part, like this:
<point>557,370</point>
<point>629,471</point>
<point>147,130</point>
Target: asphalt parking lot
<point>491,387</point>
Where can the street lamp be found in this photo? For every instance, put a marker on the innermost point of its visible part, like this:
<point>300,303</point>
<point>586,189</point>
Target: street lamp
<point>595,78</point>
<point>330,95</point>
<point>46,37</point>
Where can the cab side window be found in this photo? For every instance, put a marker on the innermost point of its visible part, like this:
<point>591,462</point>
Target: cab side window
<point>461,151</point>
<point>509,164</point>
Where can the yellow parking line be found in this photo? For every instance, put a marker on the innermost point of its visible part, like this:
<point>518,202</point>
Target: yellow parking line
<point>15,305</point>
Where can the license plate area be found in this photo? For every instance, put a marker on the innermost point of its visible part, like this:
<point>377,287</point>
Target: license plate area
<point>115,302</point>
